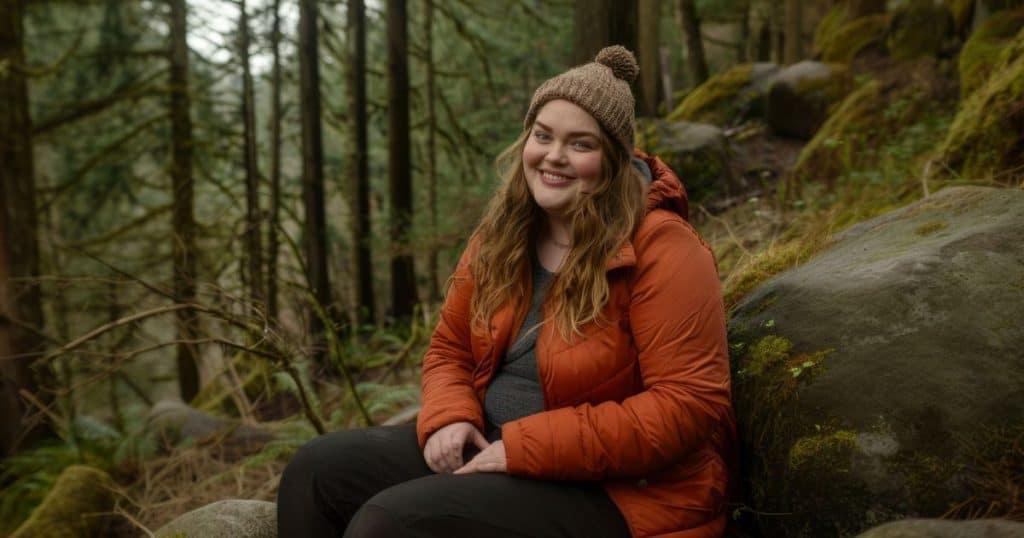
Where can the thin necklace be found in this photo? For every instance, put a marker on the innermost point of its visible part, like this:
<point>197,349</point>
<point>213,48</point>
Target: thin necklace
<point>557,244</point>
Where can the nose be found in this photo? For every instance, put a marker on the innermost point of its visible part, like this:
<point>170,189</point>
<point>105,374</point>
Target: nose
<point>556,153</point>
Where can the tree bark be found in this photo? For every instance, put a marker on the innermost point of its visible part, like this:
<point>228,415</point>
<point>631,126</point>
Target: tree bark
<point>315,226</point>
<point>273,218</point>
<point>793,32</point>
<point>253,243</point>
<point>403,277</point>
<point>649,42</point>
<point>183,219</point>
<point>600,23</point>
<point>694,43</point>
<point>20,301</point>
<point>434,289</point>
<point>366,306</point>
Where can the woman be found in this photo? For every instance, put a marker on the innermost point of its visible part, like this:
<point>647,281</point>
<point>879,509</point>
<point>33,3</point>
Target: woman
<point>577,383</point>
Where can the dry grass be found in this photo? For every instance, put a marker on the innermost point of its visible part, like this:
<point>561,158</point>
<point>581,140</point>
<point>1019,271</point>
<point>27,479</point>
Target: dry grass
<point>186,479</point>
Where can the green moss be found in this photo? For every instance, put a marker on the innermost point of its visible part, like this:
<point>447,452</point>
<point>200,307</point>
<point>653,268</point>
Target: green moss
<point>830,452</point>
<point>831,149</point>
<point>925,230</point>
<point>767,264</point>
<point>766,353</point>
<point>843,44</point>
<point>73,507</point>
<point>715,101</point>
<point>981,54</point>
<point>919,28</point>
<point>984,139</point>
<point>829,25</point>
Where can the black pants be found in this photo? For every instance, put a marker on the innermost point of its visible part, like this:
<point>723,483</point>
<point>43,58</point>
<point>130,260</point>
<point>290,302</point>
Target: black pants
<point>374,482</point>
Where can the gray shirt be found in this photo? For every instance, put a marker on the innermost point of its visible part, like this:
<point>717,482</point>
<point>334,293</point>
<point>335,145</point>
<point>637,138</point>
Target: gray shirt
<point>515,390</point>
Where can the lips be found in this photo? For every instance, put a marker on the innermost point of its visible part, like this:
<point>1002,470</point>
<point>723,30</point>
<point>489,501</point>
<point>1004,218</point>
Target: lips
<point>555,179</point>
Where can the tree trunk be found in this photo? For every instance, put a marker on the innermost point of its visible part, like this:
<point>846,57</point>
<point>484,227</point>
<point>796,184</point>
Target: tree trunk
<point>403,277</point>
<point>20,301</point>
<point>794,32</point>
<point>315,226</point>
<point>275,164</point>
<point>600,23</point>
<point>434,290</point>
<point>694,43</point>
<point>862,8</point>
<point>360,172</point>
<point>743,43</point>
<point>648,41</point>
<point>183,219</point>
<point>254,248</point>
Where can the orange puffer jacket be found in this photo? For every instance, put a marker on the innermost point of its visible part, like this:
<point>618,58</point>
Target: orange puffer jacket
<point>641,401</point>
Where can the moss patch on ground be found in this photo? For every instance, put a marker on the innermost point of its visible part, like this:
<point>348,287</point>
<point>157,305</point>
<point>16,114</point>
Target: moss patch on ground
<point>981,52</point>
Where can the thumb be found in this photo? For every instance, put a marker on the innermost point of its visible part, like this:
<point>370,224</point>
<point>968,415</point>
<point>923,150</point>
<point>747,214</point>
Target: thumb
<point>479,440</point>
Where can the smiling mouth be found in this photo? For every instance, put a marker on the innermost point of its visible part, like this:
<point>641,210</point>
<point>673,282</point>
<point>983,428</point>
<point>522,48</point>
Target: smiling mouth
<point>554,178</point>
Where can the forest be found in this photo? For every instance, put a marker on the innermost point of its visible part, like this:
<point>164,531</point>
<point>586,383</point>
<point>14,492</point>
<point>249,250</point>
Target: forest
<point>227,227</point>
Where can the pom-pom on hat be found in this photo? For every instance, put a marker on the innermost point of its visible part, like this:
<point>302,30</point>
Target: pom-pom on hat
<point>601,88</point>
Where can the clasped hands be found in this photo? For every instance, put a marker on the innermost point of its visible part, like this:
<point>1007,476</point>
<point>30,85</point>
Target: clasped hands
<point>443,451</point>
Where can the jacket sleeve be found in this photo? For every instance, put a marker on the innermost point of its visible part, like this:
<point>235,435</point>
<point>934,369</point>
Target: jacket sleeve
<point>678,325</point>
<point>448,395</point>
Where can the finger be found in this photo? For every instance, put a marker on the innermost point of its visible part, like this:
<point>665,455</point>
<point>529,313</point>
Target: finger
<point>479,440</point>
<point>451,456</point>
<point>467,468</point>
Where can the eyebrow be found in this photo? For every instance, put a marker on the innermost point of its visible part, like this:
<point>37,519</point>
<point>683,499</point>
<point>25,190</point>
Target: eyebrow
<point>573,133</point>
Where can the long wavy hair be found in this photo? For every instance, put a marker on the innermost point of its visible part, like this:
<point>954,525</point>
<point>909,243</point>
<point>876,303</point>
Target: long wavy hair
<point>601,220</point>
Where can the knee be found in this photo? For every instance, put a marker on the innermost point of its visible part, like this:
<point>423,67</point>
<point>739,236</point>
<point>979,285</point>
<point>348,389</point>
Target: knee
<point>319,456</point>
<point>374,521</point>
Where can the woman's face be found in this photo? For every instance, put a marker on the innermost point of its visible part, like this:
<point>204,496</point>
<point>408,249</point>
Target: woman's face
<point>562,156</point>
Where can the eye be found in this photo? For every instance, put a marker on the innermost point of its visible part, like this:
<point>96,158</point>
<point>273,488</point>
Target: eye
<point>583,145</point>
<point>541,136</point>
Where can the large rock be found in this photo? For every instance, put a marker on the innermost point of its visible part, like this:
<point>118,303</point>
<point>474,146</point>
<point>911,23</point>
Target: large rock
<point>801,95</point>
<point>884,378</point>
<point>987,134</point>
<point>225,519</point>
<point>74,508</point>
<point>728,98</point>
<point>699,154</point>
<point>173,421</point>
<point>941,528</point>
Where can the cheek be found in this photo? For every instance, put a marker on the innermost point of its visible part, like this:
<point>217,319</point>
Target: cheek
<point>531,155</point>
<point>588,168</point>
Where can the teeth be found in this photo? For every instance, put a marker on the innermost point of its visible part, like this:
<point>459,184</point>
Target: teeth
<point>554,177</point>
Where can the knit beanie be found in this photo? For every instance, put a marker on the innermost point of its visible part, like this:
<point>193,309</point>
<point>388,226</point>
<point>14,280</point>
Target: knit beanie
<point>601,88</point>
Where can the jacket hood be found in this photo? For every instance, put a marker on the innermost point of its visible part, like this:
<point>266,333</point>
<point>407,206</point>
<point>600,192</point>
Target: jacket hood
<point>666,190</point>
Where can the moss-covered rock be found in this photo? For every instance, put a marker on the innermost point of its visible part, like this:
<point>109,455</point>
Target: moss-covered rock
<point>836,17</point>
<point>919,28</point>
<point>871,115</point>
<point>986,138</point>
<point>727,98</point>
<point>843,44</point>
<point>802,94</point>
<point>862,377</point>
<point>698,152</point>
<point>981,52</point>
<point>74,508</point>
